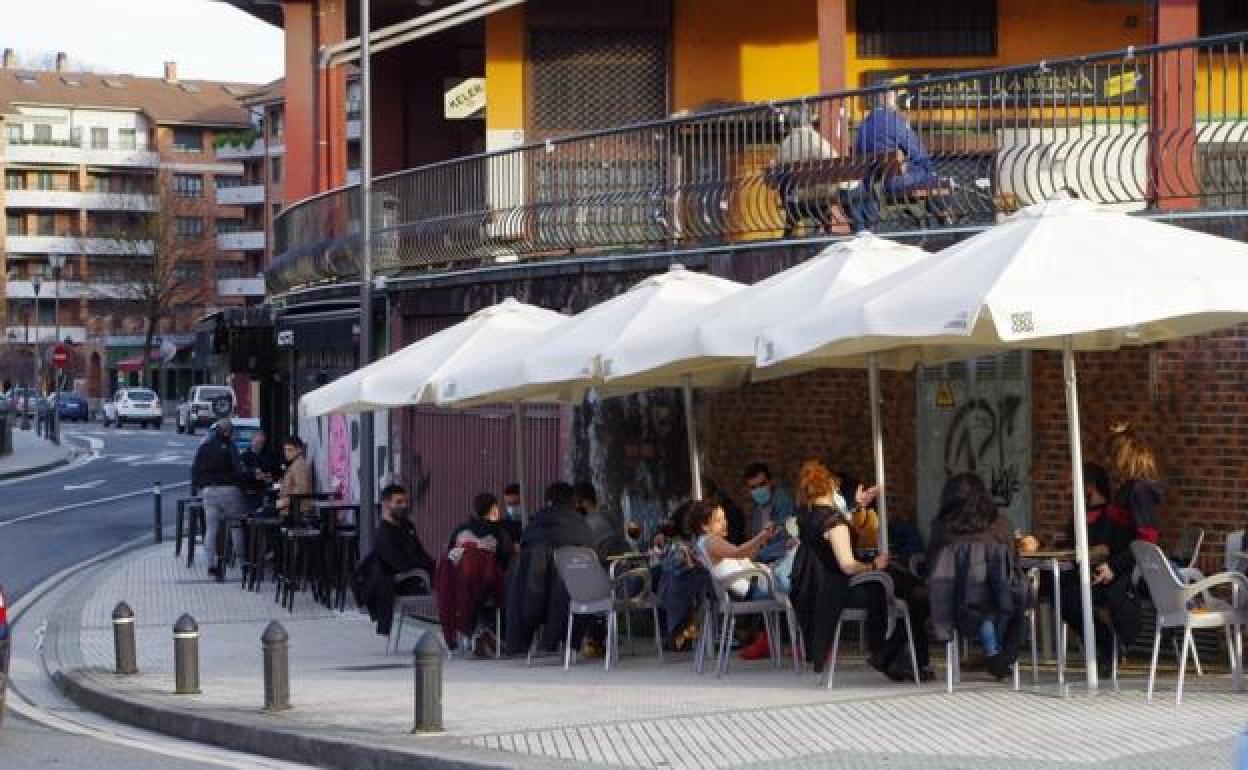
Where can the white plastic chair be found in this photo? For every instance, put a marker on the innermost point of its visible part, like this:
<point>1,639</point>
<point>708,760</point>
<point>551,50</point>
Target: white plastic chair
<point>1174,602</point>
<point>1234,561</point>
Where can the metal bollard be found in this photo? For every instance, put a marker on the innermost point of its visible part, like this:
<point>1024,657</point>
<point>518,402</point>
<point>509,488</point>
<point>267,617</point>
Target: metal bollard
<point>428,694</point>
<point>186,656</point>
<point>275,642</point>
<point>123,640</point>
<point>158,519</point>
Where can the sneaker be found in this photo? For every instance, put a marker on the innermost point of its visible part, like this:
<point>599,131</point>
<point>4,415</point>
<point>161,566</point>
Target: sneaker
<point>758,649</point>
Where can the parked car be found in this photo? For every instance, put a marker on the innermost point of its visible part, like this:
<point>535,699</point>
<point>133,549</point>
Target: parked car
<point>204,405</point>
<point>4,651</point>
<point>71,406</point>
<point>140,405</point>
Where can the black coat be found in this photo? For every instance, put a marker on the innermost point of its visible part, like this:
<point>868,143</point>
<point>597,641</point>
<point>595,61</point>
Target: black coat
<point>820,589</point>
<point>400,549</point>
<point>536,597</point>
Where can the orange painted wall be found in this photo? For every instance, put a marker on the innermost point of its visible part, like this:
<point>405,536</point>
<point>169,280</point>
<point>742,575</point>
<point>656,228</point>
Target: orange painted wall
<point>504,69</point>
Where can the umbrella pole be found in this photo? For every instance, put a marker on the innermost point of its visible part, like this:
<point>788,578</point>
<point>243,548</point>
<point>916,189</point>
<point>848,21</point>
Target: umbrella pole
<point>877,444</point>
<point>1081,513</point>
<point>691,434</point>
<point>518,439</point>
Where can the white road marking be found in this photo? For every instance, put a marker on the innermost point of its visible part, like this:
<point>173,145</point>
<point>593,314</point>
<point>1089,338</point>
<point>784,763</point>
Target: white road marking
<point>87,504</point>
<point>84,485</point>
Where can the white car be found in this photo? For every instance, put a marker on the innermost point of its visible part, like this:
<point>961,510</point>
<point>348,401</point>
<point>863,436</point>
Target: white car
<point>204,405</point>
<point>140,405</point>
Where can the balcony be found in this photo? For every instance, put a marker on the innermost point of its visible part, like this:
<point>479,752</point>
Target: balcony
<point>241,151</point>
<point>75,244</point>
<point>240,287</point>
<point>23,335</point>
<point>247,240</point>
<point>240,196</point>
<point>353,176</point>
<point>353,129</point>
<point>69,152</point>
<point>77,200</point>
<point>71,290</point>
<point>1143,130</point>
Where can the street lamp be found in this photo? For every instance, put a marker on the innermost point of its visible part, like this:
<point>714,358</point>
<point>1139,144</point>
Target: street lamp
<point>36,283</point>
<point>57,261</point>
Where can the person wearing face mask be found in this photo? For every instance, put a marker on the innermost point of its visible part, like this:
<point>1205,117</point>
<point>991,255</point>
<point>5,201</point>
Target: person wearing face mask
<point>397,552</point>
<point>513,516</point>
<point>771,505</point>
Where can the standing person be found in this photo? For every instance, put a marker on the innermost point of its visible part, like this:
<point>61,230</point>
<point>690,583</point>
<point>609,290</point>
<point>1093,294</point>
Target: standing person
<point>821,573</point>
<point>217,472</point>
<point>297,480</point>
<point>261,467</point>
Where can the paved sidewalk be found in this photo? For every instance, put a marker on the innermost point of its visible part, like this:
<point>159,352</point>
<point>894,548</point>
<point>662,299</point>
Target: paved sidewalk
<point>644,714</point>
<point>32,454</point>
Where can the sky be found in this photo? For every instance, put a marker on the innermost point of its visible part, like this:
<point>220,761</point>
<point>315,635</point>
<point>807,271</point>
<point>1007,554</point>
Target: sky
<point>209,40</point>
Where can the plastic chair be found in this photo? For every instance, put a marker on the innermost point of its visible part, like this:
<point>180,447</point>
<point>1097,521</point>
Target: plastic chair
<point>414,606</point>
<point>592,592</point>
<point>729,608</point>
<point>898,610</point>
<point>1235,561</point>
<point>1174,601</point>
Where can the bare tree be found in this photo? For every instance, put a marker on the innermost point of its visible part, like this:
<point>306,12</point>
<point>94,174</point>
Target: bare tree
<point>161,251</point>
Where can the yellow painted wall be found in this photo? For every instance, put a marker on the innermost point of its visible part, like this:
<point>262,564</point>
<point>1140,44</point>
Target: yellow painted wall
<point>1027,31</point>
<point>743,51</point>
<point>504,69</point>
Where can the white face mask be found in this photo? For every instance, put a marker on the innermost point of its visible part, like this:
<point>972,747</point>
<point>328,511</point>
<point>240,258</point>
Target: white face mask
<point>840,502</point>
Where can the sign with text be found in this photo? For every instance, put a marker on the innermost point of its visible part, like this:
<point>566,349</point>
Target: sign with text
<point>1059,87</point>
<point>464,98</point>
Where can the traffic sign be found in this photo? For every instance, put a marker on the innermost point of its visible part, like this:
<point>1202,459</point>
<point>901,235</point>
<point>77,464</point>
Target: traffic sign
<point>60,356</point>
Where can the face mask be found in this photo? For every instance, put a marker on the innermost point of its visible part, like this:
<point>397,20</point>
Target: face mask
<point>401,511</point>
<point>513,511</point>
<point>761,495</point>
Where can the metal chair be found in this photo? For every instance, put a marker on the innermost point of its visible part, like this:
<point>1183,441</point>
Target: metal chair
<point>592,592</point>
<point>729,608</point>
<point>1235,560</point>
<point>1174,602</point>
<point>416,606</point>
<point>898,610</point>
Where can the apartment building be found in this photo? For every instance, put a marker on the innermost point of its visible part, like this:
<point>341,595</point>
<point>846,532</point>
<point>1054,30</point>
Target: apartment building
<point>114,186</point>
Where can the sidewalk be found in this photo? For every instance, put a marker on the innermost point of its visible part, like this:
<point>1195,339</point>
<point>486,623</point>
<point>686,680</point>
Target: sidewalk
<point>32,454</point>
<point>352,704</point>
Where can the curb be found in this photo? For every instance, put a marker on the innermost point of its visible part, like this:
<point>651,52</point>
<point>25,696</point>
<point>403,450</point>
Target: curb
<point>219,729</point>
<point>70,456</point>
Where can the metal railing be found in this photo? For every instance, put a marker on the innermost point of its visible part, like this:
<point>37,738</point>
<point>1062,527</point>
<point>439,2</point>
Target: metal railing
<point>1155,128</point>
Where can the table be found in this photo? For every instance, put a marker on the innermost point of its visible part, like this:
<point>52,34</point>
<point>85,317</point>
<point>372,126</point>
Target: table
<point>324,507</point>
<point>1056,561</point>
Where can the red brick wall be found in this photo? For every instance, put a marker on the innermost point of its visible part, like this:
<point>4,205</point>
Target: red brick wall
<point>821,415</point>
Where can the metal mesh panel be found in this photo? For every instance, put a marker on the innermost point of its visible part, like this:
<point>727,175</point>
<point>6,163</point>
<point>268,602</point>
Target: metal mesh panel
<point>587,79</point>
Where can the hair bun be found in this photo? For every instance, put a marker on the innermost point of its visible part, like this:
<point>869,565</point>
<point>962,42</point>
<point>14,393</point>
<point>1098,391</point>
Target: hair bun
<point>1119,428</point>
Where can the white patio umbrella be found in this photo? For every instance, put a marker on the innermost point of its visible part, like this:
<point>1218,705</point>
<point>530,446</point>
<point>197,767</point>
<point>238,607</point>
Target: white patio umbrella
<point>567,362</point>
<point>1060,275</point>
<point>414,374</point>
<point>715,346</point>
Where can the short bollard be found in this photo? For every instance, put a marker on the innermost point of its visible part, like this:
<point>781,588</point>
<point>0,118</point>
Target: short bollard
<point>158,519</point>
<point>186,656</point>
<point>275,642</point>
<point>123,639</point>
<point>428,694</point>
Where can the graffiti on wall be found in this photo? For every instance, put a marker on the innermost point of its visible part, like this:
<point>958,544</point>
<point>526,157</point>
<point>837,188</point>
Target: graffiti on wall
<point>975,417</point>
<point>333,450</point>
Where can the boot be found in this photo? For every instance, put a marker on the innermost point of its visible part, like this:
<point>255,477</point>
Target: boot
<point>758,649</point>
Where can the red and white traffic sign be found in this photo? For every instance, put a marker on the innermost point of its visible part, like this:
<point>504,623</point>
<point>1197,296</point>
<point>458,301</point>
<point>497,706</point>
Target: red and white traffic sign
<point>60,356</point>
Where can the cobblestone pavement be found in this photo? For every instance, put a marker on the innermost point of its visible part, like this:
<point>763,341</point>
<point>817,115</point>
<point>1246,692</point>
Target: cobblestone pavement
<point>644,713</point>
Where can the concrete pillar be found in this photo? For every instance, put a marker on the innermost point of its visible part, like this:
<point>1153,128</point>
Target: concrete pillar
<point>1173,172</point>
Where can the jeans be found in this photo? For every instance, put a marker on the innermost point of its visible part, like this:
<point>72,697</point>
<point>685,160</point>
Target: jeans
<point>220,502</point>
<point>988,638</point>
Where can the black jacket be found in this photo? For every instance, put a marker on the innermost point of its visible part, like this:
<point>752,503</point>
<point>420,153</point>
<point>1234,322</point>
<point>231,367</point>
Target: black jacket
<point>217,464</point>
<point>820,589</point>
<point>536,597</point>
<point>972,582</point>
<point>399,548</point>
<point>253,461</point>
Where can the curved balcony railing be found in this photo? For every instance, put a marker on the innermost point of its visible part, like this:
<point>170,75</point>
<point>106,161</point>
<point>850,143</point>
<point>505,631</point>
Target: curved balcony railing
<point>1162,127</point>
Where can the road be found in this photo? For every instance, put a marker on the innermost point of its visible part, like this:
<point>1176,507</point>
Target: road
<point>58,519</point>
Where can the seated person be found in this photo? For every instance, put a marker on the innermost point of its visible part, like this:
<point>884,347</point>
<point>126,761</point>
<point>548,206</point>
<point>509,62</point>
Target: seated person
<point>469,580</point>
<point>821,573</point>
<point>610,538</point>
<point>397,552</point>
<point>513,518</point>
<point>709,526</point>
<point>773,505</point>
<point>953,496</point>
<point>885,130</point>
<point>681,582</point>
<point>297,480</point>
<point>260,467</point>
<point>713,494</point>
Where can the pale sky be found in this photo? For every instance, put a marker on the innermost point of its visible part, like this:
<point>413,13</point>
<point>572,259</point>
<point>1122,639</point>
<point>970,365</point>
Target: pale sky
<point>209,40</point>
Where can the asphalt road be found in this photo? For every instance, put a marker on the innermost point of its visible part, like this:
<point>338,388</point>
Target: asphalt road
<point>56,520</point>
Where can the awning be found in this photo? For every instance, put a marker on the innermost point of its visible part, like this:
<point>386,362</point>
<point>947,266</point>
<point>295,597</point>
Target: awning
<point>135,363</point>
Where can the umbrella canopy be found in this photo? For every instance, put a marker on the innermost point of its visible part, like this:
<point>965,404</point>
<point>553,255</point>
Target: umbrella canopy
<point>1062,274</point>
<point>715,346</point>
<point>568,361</point>
<point>414,374</point>
<point>1059,269</point>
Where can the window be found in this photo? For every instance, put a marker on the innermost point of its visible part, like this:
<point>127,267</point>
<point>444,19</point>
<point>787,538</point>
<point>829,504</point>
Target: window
<point>14,180</point>
<point>44,181</point>
<point>128,138</point>
<point>189,273</point>
<point>228,271</point>
<point>13,133</point>
<point>1218,17</point>
<point>43,132</point>
<point>189,227</point>
<point>229,225</point>
<point>99,138</point>
<point>277,125</point>
<point>188,185</point>
<point>226,181</point>
<point>275,170</point>
<point>926,28</point>
<point>15,224</point>
<point>188,140</point>
<point>46,224</point>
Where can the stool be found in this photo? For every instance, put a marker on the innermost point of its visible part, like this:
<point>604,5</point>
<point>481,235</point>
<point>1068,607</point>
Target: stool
<point>348,542</point>
<point>197,529</point>
<point>180,527</point>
